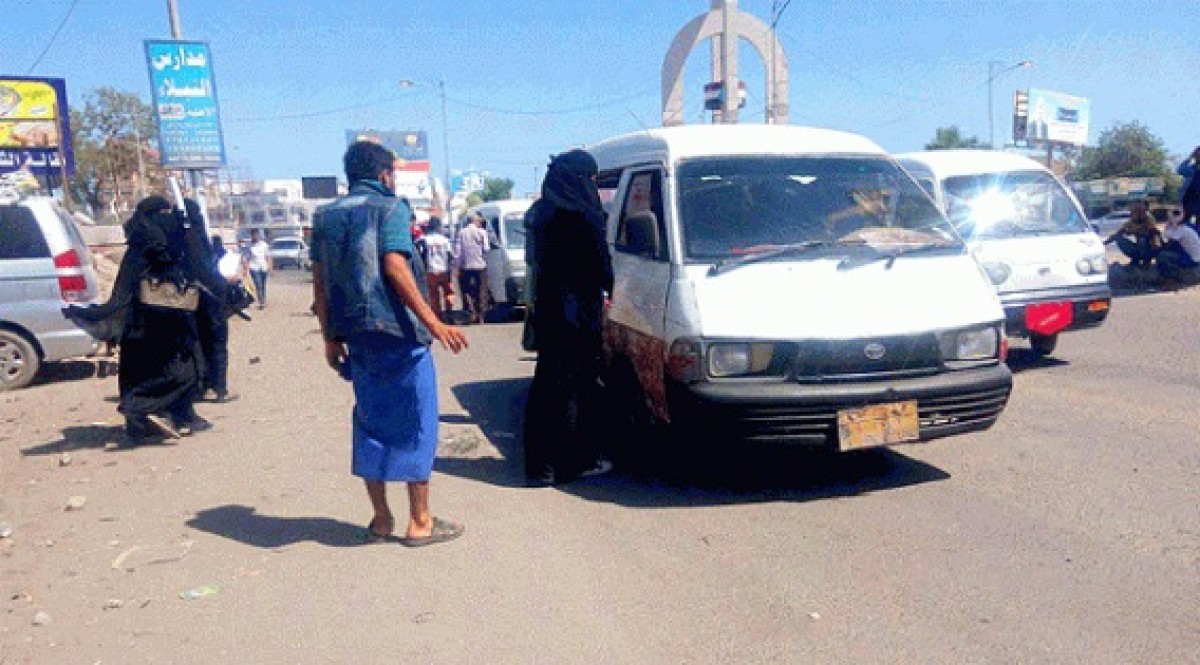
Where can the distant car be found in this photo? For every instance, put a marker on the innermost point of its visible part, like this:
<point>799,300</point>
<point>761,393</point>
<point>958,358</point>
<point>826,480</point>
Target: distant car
<point>289,252</point>
<point>44,266</point>
<point>1108,224</point>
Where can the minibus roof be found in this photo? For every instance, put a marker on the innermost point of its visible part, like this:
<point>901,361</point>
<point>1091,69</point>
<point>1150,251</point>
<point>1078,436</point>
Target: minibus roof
<point>950,163</point>
<point>688,141</point>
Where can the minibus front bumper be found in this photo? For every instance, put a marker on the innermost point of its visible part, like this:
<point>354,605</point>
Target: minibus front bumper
<point>1089,306</point>
<point>806,414</point>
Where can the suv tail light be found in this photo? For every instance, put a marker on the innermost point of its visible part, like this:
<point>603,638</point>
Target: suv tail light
<point>72,281</point>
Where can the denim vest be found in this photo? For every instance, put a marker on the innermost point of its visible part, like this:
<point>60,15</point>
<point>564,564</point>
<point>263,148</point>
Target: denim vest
<point>347,241</point>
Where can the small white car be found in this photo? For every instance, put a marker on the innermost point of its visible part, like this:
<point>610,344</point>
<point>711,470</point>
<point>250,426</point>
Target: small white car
<point>1030,235</point>
<point>289,251</point>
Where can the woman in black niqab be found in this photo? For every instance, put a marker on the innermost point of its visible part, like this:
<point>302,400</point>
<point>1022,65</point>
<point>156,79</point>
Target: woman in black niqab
<point>159,371</point>
<point>570,274</point>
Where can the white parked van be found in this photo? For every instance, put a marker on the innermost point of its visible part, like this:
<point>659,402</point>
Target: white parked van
<point>791,285</point>
<point>1030,235</point>
<point>505,275</point>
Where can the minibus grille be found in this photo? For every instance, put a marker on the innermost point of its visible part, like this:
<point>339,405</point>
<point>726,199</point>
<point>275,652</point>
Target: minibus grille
<point>895,356</point>
<point>816,424</point>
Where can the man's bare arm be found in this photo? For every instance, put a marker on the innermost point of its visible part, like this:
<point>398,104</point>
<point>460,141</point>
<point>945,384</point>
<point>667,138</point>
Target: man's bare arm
<point>400,277</point>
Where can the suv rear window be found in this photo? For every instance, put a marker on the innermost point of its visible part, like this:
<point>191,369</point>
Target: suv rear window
<point>20,235</point>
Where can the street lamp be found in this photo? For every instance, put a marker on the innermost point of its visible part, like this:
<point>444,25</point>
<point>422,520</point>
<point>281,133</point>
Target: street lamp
<point>992,74</point>
<point>441,84</point>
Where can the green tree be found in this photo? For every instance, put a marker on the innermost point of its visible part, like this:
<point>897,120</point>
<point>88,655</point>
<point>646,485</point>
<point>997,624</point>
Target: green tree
<point>949,138</point>
<point>108,133</point>
<point>1124,150</point>
<point>496,189</point>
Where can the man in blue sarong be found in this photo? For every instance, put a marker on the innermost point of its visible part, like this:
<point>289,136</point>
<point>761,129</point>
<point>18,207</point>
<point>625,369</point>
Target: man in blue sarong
<point>369,293</point>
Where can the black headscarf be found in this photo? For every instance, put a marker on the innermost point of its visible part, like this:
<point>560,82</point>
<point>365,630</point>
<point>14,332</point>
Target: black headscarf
<point>570,184</point>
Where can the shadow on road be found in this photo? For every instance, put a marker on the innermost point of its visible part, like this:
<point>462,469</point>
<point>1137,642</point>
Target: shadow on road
<point>243,524</point>
<point>76,438</point>
<point>656,478</point>
<point>1022,360</point>
<point>75,370</point>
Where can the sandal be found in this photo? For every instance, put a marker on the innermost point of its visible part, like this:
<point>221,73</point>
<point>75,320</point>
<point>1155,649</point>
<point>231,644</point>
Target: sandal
<point>374,536</point>
<point>443,531</point>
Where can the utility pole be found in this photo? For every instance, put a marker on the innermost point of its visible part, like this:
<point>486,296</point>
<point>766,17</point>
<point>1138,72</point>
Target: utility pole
<point>194,176</point>
<point>445,149</point>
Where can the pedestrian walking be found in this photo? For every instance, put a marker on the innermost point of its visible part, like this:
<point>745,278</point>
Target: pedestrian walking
<point>212,318</point>
<point>438,278</point>
<point>258,259</point>
<point>368,286</point>
<point>573,268</point>
<point>470,251</point>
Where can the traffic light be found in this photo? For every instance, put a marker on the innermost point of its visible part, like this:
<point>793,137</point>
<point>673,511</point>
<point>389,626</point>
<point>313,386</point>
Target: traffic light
<point>1020,115</point>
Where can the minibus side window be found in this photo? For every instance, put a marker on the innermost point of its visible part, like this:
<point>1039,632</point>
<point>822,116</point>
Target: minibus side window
<point>643,198</point>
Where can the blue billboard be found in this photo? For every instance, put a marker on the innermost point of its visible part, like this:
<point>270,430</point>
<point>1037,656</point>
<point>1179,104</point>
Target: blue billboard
<point>411,146</point>
<point>185,102</point>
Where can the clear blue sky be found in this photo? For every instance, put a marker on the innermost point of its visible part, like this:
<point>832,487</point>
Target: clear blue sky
<point>527,78</point>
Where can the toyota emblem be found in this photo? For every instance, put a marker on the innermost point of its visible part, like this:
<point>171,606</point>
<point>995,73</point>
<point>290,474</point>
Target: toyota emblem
<point>874,351</point>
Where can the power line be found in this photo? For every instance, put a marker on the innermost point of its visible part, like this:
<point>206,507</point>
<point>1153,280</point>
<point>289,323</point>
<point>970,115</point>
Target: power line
<point>460,102</point>
<point>53,37</point>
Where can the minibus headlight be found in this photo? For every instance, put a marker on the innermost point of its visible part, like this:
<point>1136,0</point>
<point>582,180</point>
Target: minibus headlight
<point>971,344</point>
<point>683,360</point>
<point>997,272</point>
<point>739,358</point>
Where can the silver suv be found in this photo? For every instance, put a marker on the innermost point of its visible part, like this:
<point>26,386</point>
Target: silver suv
<point>44,266</point>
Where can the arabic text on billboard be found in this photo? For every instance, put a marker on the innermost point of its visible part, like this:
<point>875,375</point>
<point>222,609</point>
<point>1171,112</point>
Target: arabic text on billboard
<point>185,102</point>
<point>34,125</point>
<point>1054,116</point>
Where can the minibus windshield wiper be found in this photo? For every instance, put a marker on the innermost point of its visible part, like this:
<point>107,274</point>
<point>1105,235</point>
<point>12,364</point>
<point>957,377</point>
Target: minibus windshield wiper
<point>769,252</point>
<point>891,255</point>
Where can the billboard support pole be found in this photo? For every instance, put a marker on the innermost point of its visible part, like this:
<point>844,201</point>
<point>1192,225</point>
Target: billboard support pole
<point>194,178</point>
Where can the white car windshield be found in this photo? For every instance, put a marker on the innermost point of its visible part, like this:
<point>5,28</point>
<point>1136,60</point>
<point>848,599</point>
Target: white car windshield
<point>748,206</point>
<point>1009,205</point>
<point>286,244</point>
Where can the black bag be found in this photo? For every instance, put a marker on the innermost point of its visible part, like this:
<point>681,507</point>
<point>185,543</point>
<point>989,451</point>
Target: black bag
<point>237,299</point>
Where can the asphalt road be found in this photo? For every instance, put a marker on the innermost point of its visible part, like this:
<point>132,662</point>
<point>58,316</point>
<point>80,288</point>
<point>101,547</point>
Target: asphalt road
<point>1068,533</point>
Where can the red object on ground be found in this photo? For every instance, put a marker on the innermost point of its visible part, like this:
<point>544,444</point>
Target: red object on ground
<point>1048,318</point>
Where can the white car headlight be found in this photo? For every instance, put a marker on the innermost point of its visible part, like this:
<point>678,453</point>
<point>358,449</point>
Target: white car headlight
<point>973,344</point>
<point>739,358</point>
<point>997,272</point>
<point>1092,265</point>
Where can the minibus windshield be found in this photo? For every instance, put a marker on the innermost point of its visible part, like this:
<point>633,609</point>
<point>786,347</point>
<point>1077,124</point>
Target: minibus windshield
<point>743,206</point>
<point>1009,205</point>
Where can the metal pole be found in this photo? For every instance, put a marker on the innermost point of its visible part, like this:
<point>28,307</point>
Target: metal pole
<point>194,177</point>
<point>445,149</point>
<point>729,76</point>
<point>137,137</point>
<point>991,130</point>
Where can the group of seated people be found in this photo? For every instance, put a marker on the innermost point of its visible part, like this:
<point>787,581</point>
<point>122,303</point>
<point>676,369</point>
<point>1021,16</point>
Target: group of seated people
<point>1175,250</point>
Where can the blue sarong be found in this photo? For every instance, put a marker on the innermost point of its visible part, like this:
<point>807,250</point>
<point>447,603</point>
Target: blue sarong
<point>396,408</point>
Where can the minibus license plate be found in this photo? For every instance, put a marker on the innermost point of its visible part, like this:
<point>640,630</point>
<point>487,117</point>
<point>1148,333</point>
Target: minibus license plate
<point>878,425</point>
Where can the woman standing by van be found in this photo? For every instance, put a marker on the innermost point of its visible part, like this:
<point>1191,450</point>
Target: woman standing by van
<point>574,272</point>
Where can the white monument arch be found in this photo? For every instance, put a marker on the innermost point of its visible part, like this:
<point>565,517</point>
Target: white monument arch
<point>725,25</point>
